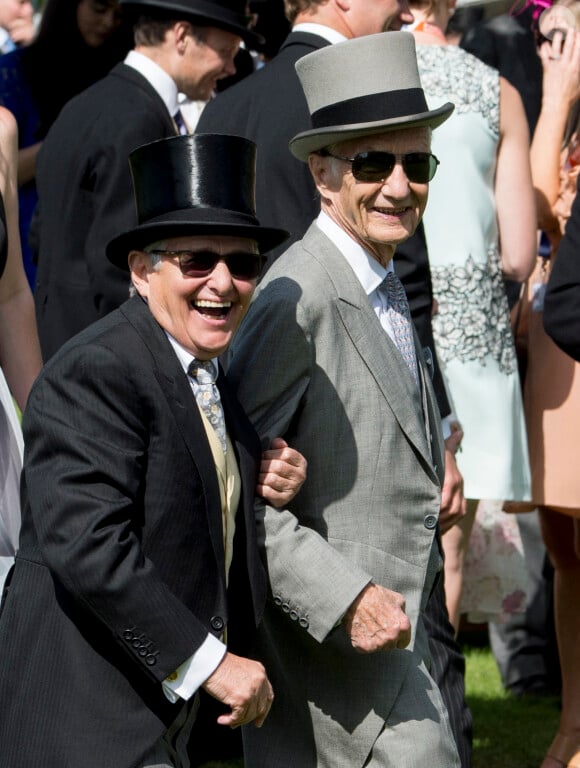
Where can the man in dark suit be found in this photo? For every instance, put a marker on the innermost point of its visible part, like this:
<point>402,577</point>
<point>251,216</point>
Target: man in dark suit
<point>138,545</point>
<point>269,108</point>
<point>83,178</point>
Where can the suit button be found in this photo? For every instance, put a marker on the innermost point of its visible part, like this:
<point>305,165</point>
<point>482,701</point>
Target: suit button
<point>151,660</point>
<point>304,623</point>
<point>293,615</point>
<point>286,607</point>
<point>217,623</point>
<point>277,600</point>
<point>430,522</point>
<point>128,635</point>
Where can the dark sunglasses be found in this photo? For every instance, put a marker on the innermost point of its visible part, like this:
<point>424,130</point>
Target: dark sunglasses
<point>242,265</point>
<point>419,167</point>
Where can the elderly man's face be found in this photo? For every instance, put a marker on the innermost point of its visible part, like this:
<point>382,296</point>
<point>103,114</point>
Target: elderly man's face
<point>201,312</point>
<point>377,215</point>
<point>369,17</point>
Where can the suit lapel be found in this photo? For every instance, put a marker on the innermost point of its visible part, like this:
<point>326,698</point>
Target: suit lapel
<point>177,392</point>
<point>376,350</point>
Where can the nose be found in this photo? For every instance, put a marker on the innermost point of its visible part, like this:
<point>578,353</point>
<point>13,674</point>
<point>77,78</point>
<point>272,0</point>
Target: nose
<point>220,278</point>
<point>396,184</point>
<point>229,65</point>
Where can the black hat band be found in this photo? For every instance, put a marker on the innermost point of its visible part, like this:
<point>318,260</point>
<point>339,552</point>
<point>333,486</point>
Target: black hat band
<point>371,108</point>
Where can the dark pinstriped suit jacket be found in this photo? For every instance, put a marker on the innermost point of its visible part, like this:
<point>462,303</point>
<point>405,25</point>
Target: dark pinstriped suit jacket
<point>120,572</point>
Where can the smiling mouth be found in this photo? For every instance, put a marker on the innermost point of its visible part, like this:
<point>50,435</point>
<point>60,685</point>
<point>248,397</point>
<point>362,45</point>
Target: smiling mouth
<point>218,309</point>
<point>391,211</point>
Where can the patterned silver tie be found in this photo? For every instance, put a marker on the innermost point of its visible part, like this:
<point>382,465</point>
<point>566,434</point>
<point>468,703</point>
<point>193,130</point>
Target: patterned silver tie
<point>208,396</point>
<point>400,319</point>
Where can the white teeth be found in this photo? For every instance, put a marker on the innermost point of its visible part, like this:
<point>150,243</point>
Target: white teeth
<point>212,304</point>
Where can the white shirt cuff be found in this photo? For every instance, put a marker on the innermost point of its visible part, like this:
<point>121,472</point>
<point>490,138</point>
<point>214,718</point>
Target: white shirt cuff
<point>190,675</point>
<point>446,427</point>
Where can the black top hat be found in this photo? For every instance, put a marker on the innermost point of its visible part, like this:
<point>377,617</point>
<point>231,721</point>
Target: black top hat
<point>194,185</point>
<point>224,14</point>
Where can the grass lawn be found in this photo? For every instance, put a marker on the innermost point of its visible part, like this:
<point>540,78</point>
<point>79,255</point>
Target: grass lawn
<point>508,732</point>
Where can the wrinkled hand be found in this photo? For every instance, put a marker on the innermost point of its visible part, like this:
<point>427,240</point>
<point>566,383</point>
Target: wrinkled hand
<point>453,506</point>
<point>282,473</point>
<point>241,684</point>
<point>377,621</point>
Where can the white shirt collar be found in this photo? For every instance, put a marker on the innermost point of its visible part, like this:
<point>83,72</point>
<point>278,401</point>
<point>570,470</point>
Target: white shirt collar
<point>184,356</point>
<point>367,269</point>
<point>156,77</point>
<point>328,33</point>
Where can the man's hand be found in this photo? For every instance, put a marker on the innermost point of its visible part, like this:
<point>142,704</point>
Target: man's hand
<point>241,684</point>
<point>282,473</point>
<point>452,499</point>
<point>377,621</point>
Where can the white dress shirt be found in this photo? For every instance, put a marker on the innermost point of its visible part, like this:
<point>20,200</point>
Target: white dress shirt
<point>157,78</point>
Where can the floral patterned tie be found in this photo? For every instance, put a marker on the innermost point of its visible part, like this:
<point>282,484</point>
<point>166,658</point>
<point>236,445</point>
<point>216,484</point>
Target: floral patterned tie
<point>400,319</point>
<point>208,396</point>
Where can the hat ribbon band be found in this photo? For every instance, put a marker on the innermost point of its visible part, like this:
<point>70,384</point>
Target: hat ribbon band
<point>372,108</point>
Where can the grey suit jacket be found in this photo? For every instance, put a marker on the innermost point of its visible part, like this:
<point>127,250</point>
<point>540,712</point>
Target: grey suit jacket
<point>312,362</point>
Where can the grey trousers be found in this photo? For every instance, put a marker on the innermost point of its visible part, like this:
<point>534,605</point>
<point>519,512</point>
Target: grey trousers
<point>407,742</point>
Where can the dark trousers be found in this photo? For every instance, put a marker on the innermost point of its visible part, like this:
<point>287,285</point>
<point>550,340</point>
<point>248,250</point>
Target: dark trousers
<point>448,670</point>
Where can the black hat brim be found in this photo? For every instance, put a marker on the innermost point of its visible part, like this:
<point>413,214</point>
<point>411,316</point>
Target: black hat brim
<point>209,18</point>
<point>142,236</point>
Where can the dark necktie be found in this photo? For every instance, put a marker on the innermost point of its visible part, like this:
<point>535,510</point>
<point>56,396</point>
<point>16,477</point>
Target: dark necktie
<point>180,123</point>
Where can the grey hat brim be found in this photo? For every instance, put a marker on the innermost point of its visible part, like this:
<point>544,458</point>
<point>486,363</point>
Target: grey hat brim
<point>306,142</point>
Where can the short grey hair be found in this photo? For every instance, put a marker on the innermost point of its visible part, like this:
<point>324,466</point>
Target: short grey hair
<point>154,260</point>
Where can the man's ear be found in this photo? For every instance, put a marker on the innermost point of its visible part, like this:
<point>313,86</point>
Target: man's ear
<point>320,170</point>
<point>181,31</point>
<point>140,267</point>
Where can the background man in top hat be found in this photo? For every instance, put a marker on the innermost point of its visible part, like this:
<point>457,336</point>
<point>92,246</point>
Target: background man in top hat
<point>138,544</point>
<point>253,109</point>
<point>82,175</point>
<point>353,558</point>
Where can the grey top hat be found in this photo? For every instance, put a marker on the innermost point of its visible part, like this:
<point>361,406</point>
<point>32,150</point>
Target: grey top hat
<point>361,87</point>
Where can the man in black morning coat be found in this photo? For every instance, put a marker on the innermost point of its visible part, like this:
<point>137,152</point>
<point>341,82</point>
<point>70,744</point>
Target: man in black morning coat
<point>138,581</point>
<point>83,179</point>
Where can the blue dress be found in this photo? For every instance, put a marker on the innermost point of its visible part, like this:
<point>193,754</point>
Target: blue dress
<point>472,328</point>
<point>15,95</point>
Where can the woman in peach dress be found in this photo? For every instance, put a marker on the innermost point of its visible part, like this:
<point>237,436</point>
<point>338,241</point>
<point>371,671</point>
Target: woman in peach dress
<point>552,387</point>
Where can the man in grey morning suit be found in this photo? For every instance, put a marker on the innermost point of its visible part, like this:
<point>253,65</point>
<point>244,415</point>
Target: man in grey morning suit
<point>352,560</point>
